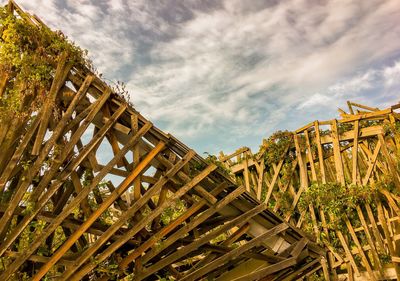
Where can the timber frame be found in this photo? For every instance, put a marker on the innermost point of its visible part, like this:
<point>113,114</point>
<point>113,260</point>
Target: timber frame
<point>87,185</point>
<point>361,148</point>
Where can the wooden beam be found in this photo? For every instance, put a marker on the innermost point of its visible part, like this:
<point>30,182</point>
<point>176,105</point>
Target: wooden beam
<point>107,203</point>
<point>355,151</point>
<point>337,154</point>
<point>126,215</point>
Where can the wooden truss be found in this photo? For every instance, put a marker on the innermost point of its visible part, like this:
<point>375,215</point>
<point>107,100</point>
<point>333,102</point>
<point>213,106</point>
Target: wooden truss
<point>361,148</point>
<point>91,190</point>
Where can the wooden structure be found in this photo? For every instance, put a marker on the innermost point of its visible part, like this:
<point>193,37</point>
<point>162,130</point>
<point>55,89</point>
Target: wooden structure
<point>91,190</point>
<point>359,149</point>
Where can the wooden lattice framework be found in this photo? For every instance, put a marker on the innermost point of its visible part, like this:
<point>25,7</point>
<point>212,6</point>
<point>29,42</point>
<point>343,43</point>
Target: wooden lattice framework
<point>69,212</point>
<point>361,148</point>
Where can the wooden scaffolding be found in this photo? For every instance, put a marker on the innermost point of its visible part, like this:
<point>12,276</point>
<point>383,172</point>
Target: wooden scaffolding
<point>92,190</point>
<point>357,155</point>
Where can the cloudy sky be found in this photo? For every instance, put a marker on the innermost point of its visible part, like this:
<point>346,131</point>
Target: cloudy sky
<point>224,74</point>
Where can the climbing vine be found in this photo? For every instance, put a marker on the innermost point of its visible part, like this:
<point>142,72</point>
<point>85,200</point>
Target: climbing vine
<point>337,200</point>
<point>28,54</point>
<point>275,146</point>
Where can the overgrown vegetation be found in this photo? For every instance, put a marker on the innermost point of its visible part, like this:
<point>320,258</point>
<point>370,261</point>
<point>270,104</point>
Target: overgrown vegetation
<point>274,147</point>
<point>28,55</point>
<point>336,200</point>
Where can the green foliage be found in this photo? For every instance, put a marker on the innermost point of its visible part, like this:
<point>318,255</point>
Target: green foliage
<point>344,127</point>
<point>109,268</point>
<point>276,145</point>
<point>284,201</point>
<point>385,258</point>
<point>173,212</point>
<point>392,129</point>
<point>212,159</point>
<point>316,276</point>
<point>336,199</point>
<point>28,55</point>
<point>165,278</point>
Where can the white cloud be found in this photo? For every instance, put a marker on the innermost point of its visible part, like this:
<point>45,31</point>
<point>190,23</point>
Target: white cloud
<point>375,86</point>
<point>392,75</point>
<point>211,68</point>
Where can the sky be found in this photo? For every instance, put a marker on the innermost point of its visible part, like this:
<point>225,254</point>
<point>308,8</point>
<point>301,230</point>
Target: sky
<point>220,75</point>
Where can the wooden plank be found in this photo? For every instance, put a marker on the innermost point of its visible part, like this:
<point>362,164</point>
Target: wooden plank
<point>59,78</point>
<point>95,214</point>
<point>28,175</point>
<point>360,249</point>
<point>235,252</point>
<point>348,136</point>
<point>364,106</point>
<point>375,229</point>
<point>236,153</point>
<point>310,157</point>
<point>68,209</point>
<point>348,252</point>
<point>163,232</point>
<point>396,137</point>
<point>18,153</point>
<point>78,188</point>
<point>304,128</point>
<point>192,224</point>
<point>136,157</point>
<point>336,153</point>
<point>355,151</point>
<point>302,166</point>
<point>389,243</point>
<point>131,232</point>
<point>126,215</point>
<point>112,138</point>
<point>3,82</point>
<point>350,107</point>
<point>367,115</point>
<point>260,178</point>
<point>228,242</point>
<point>243,218</point>
<point>268,270</point>
<point>273,181</point>
<point>246,174</point>
<point>371,243</point>
<point>389,161</point>
<point>371,165</point>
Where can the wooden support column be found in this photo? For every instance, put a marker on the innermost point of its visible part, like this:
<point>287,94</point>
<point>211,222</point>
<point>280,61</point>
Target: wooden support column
<point>260,178</point>
<point>302,166</point>
<point>246,173</point>
<point>337,153</point>
<point>320,151</point>
<point>355,151</point>
<point>310,157</point>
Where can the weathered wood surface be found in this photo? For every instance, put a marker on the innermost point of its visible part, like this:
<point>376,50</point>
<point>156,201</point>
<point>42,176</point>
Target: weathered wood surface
<point>102,194</point>
<point>364,152</point>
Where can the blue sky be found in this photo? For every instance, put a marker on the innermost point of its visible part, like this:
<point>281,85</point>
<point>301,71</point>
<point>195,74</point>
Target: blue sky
<point>224,74</point>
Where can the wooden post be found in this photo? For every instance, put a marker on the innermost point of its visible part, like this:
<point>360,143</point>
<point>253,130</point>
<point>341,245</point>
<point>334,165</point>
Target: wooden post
<point>337,153</point>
